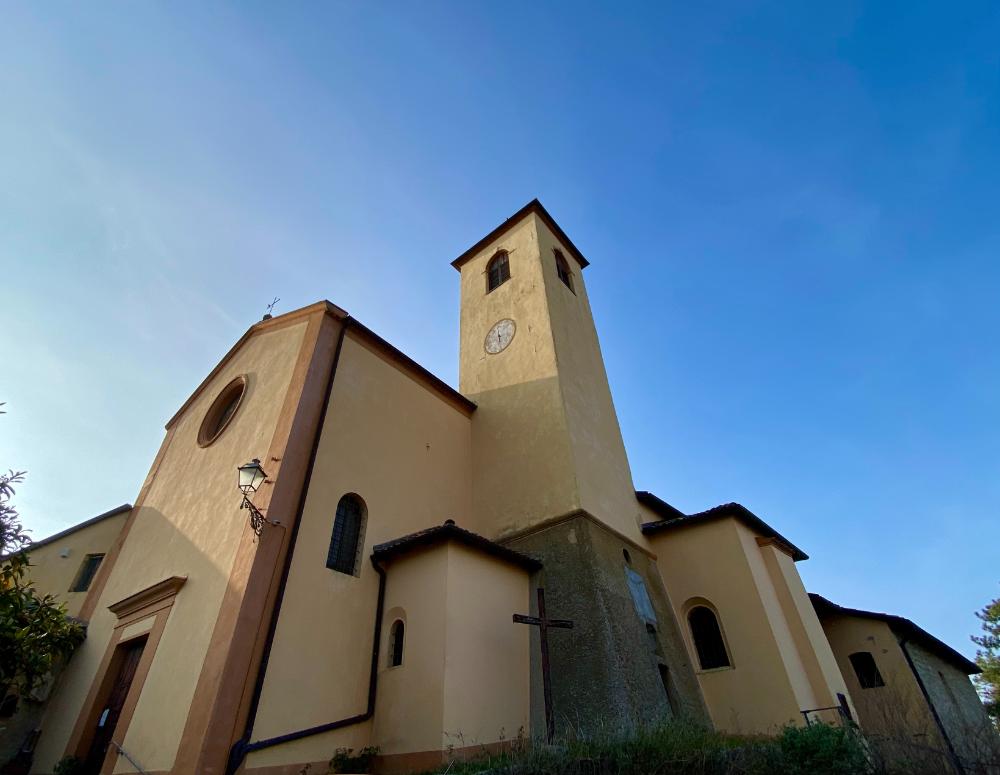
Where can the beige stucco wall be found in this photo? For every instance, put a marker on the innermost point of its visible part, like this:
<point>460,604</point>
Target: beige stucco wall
<point>709,564</point>
<point>545,419</point>
<point>809,662</point>
<point>406,452</point>
<point>880,710</point>
<point>818,661</point>
<point>519,429</point>
<point>188,525</point>
<point>487,659</point>
<point>464,680</point>
<point>53,574</point>
<point>896,716</point>
<point>781,663</point>
<point>603,477</point>
<point>409,708</point>
<point>960,710</point>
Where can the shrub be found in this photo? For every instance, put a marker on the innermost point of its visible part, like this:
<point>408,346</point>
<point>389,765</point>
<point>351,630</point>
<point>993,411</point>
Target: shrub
<point>684,748</point>
<point>68,765</point>
<point>344,759</point>
<point>821,748</point>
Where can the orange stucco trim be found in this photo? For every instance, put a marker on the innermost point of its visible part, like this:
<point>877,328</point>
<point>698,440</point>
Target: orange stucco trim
<point>153,602</point>
<point>225,684</point>
<point>289,318</point>
<point>777,543</point>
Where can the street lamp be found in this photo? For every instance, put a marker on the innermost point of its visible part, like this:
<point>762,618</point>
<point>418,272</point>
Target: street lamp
<point>251,476</point>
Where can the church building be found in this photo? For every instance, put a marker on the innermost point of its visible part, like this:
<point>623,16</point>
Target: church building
<point>359,588</point>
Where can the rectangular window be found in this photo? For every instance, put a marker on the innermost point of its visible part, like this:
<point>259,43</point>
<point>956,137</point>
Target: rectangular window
<point>88,569</point>
<point>668,687</point>
<point>640,596</point>
<point>845,707</point>
<point>866,670</point>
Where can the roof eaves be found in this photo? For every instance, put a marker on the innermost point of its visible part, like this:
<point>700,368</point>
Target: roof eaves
<point>449,531</point>
<point>439,385</point>
<point>899,624</point>
<point>534,206</point>
<point>86,523</point>
<point>734,510</point>
<point>329,308</point>
<point>658,505</point>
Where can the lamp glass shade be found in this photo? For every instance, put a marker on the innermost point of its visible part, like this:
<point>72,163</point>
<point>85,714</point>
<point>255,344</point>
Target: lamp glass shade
<point>251,476</point>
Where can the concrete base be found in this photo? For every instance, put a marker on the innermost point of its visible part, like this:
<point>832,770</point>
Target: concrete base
<point>615,670</point>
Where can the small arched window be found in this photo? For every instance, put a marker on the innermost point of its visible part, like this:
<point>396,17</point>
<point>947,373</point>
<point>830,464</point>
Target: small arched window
<point>497,271</point>
<point>348,528</point>
<point>562,269</point>
<point>707,637</point>
<point>396,633</point>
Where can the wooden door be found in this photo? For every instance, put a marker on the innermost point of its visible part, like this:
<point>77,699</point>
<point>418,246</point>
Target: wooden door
<point>130,654</point>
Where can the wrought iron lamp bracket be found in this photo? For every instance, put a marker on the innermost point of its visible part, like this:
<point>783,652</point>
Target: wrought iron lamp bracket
<point>257,518</point>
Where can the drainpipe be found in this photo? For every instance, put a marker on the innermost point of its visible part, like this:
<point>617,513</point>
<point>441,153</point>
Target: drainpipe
<point>952,755</point>
<point>243,746</point>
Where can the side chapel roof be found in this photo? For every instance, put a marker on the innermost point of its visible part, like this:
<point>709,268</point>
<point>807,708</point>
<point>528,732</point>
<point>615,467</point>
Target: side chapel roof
<point>87,523</point>
<point>901,626</point>
<point>449,531</point>
<point>673,518</point>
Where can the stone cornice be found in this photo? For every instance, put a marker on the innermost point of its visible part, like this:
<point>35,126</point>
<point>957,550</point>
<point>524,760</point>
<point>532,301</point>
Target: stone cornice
<point>148,597</point>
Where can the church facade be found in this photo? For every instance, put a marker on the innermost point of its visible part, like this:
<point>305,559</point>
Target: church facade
<point>404,524</point>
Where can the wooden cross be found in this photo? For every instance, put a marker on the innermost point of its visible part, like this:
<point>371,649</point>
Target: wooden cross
<point>543,624</point>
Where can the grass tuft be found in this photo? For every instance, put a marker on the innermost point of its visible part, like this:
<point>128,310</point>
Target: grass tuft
<point>680,748</point>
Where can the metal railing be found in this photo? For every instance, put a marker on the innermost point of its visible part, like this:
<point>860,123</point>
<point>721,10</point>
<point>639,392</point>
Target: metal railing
<point>123,752</point>
<point>844,718</point>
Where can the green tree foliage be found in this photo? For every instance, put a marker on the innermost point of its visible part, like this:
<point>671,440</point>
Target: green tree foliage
<point>988,657</point>
<point>35,633</point>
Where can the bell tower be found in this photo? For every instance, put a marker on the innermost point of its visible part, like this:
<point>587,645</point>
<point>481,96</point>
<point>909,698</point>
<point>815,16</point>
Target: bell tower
<point>546,440</point>
<point>551,478</point>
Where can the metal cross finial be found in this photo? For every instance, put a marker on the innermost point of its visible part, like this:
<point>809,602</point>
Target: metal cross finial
<point>543,624</point>
<point>270,308</point>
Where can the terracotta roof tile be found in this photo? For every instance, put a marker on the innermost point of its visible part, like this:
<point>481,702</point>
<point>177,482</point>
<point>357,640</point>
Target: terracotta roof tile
<point>449,531</point>
<point>674,518</point>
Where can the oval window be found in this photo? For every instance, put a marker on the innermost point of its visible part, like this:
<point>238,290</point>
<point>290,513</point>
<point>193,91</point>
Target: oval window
<point>221,411</point>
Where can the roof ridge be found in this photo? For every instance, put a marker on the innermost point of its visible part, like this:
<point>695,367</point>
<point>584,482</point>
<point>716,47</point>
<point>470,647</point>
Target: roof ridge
<point>448,531</point>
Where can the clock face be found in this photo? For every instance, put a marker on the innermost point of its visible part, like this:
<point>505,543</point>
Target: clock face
<point>499,336</point>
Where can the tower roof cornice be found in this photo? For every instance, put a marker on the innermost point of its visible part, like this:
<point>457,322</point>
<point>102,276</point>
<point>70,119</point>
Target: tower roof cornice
<point>534,206</point>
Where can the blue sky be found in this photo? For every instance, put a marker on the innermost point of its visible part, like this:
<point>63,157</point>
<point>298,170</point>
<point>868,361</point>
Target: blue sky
<point>790,210</point>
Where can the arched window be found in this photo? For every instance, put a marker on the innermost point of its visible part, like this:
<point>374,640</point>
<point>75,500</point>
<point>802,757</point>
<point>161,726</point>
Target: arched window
<point>707,637</point>
<point>562,269</point>
<point>497,271</point>
<point>866,670</point>
<point>348,527</point>
<point>396,633</point>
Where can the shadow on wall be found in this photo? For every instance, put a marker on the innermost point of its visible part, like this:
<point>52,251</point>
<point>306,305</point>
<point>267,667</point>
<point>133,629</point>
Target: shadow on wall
<point>155,550</point>
<point>904,735</point>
